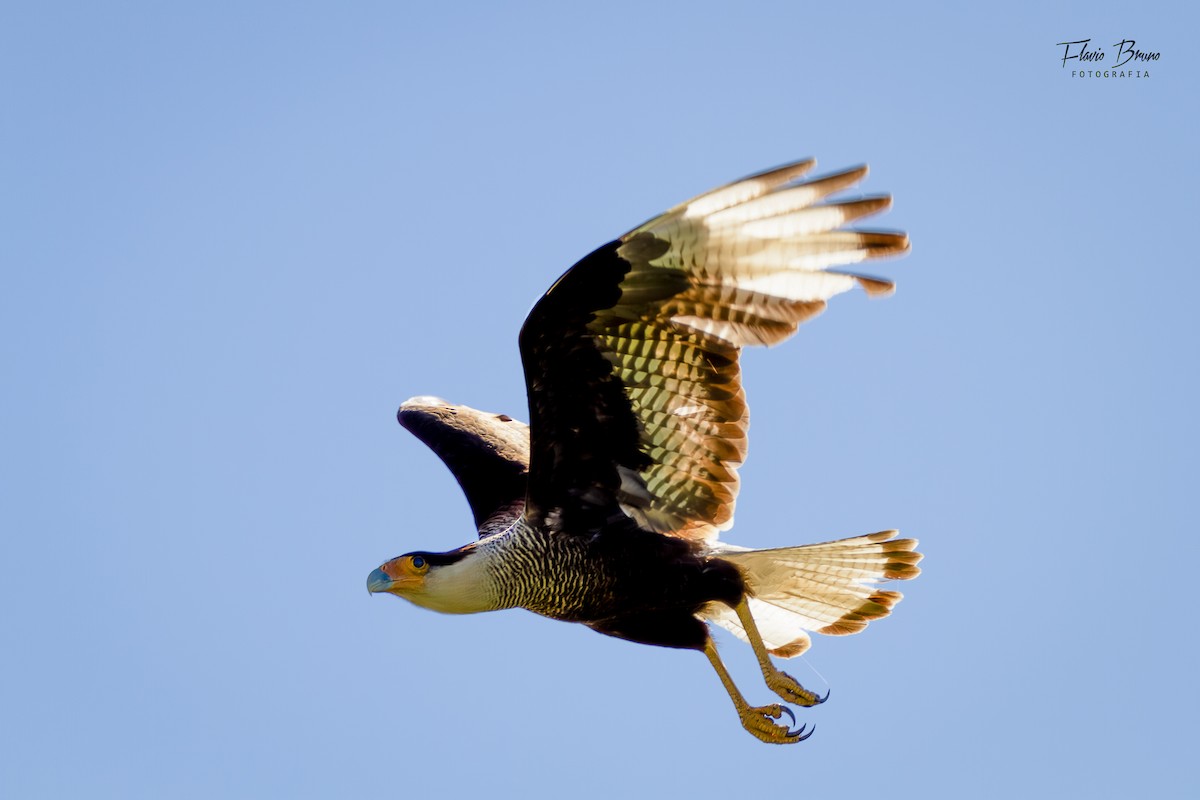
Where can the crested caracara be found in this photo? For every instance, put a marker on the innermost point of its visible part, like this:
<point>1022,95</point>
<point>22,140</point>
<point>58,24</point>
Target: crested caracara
<point>606,509</point>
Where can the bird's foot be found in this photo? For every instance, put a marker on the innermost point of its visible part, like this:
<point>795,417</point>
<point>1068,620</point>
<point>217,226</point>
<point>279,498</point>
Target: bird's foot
<point>761,724</point>
<point>790,690</point>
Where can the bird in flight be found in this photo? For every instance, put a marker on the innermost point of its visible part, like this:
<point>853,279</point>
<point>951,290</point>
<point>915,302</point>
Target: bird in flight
<point>606,509</point>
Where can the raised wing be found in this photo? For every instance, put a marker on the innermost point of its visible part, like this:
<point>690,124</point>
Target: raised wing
<point>487,453</point>
<point>631,358</point>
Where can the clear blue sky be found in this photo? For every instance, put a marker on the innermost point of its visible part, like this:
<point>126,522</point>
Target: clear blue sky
<point>235,236</point>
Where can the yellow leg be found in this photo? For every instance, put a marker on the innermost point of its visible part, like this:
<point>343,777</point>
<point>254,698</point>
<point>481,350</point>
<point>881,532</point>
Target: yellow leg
<point>760,721</point>
<point>777,680</point>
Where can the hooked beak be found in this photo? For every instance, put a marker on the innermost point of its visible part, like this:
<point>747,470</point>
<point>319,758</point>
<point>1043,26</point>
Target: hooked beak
<point>378,581</point>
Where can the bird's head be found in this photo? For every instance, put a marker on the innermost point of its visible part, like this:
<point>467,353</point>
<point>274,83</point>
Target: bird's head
<point>455,582</point>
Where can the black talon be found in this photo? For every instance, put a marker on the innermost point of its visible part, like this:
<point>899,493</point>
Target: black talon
<point>823,699</point>
<point>791,717</point>
<point>800,730</point>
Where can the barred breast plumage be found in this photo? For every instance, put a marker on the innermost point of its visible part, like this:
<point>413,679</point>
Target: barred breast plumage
<point>604,579</point>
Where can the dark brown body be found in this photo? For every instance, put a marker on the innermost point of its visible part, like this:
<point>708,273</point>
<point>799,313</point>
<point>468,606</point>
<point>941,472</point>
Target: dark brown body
<point>622,581</point>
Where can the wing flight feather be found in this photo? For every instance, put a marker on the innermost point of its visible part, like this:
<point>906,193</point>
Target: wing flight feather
<point>631,358</point>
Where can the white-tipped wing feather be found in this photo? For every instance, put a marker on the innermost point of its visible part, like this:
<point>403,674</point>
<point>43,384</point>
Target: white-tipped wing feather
<point>755,256</point>
<point>648,331</point>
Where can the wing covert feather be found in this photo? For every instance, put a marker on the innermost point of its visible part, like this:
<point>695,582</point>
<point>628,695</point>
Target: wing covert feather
<point>488,454</point>
<point>631,358</point>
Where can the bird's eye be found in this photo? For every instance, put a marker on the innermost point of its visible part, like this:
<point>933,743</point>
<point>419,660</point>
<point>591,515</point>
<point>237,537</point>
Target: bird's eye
<point>418,562</point>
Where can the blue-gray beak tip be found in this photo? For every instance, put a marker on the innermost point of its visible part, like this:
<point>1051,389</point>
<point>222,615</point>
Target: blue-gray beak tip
<point>378,581</point>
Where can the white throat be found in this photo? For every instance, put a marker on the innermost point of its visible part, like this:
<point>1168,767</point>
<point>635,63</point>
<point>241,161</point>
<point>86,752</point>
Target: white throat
<point>464,587</point>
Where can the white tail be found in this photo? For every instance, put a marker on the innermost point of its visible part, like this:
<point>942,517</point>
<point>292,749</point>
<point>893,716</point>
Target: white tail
<point>825,588</point>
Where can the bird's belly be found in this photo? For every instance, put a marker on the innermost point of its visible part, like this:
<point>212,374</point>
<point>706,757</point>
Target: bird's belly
<point>579,581</point>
